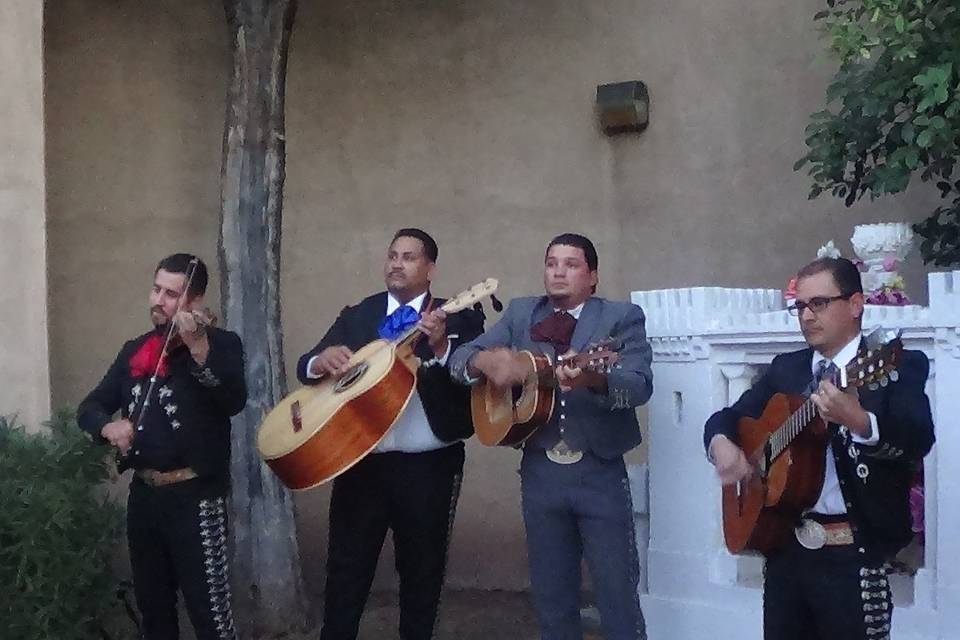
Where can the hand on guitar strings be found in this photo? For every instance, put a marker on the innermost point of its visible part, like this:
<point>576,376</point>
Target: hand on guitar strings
<point>841,407</point>
<point>332,361</point>
<point>729,460</point>
<point>503,367</point>
<point>434,326</point>
<point>119,434</point>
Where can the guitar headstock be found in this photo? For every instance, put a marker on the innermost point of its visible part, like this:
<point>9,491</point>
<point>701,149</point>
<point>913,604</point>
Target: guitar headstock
<point>876,362</point>
<point>469,296</point>
<point>599,356</point>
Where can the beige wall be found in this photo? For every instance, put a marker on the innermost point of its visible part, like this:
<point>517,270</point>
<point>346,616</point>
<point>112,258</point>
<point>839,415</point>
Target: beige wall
<point>472,120</point>
<point>24,372</point>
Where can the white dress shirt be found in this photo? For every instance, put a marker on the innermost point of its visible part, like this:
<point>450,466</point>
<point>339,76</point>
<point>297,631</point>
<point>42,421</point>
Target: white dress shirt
<point>831,501</point>
<point>411,433</point>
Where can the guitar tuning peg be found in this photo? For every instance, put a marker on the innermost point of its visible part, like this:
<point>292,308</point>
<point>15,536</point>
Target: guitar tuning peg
<point>883,381</point>
<point>894,376</point>
<point>873,386</point>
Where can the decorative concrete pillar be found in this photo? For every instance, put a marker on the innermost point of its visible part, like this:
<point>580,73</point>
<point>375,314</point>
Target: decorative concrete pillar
<point>24,373</point>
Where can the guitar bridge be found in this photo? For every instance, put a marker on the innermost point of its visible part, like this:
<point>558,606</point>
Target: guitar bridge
<point>295,417</point>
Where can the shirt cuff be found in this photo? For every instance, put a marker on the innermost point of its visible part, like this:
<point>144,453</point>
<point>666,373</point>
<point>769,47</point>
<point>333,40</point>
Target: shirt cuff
<point>310,373</point>
<point>442,361</point>
<point>874,436</point>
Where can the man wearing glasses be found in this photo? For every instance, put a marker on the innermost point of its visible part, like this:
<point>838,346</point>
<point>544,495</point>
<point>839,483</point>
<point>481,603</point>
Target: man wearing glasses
<point>829,581</point>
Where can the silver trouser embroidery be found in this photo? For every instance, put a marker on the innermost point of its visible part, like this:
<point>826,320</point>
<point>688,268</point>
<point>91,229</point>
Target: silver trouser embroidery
<point>877,601</point>
<point>213,534</point>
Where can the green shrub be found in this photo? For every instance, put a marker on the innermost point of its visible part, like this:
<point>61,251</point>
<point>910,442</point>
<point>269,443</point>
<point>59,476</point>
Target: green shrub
<point>58,534</point>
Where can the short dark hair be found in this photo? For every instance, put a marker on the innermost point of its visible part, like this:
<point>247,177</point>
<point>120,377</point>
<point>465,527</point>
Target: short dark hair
<point>429,244</point>
<point>580,242</point>
<point>180,263</point>
<point>845,274</point>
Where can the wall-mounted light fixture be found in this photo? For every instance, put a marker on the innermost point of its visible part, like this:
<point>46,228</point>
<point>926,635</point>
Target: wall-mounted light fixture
<point>623,106</point>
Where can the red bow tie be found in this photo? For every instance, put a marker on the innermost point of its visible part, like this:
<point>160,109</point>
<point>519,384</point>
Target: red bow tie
<point>557,329</point>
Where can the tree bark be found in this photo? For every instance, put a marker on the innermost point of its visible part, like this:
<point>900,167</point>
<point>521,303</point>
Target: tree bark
<point>268,586</point>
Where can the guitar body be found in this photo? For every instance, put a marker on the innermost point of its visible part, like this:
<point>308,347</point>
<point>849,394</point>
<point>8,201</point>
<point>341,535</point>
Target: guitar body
<point>760,513</point>
<point>508,417</point>
<point>318,432</point>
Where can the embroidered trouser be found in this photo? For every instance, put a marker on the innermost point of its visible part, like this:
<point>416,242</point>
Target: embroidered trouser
<point>576,511</point>
<point>832,593</point>
<point>178,540</point>
<point>415,495</point>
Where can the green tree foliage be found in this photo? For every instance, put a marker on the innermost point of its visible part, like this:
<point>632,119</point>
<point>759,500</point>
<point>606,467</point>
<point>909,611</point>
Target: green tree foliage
<point>893,109</point>
<point>58,534</point>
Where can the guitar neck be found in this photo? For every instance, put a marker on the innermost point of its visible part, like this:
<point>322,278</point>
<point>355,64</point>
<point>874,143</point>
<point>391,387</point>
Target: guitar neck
<point>791,428</point>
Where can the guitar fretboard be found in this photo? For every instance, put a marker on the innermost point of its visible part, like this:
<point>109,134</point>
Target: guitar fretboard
<point>791,428</point>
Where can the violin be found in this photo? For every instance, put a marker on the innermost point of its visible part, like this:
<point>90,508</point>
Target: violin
<point>202,317</point>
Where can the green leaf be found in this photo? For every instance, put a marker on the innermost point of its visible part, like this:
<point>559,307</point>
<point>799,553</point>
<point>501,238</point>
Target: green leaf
<point>925,139</point>
<point>900,24</point>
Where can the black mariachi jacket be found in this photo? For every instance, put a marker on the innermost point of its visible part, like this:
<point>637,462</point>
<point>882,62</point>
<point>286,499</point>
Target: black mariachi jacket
<point>874,479</point>
<point>189,411</point>
<point>446,403</point>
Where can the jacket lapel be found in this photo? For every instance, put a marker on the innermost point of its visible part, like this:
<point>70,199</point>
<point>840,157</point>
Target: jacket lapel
<point>586,324</point>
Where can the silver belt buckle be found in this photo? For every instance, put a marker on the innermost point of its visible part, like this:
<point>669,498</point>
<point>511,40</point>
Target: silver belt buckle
<point>561,453</point>
<point>810,534</point>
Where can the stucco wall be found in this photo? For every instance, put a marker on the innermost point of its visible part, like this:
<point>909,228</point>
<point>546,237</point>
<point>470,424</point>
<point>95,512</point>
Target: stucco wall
<point>473,120</point>
<point>24,372</point>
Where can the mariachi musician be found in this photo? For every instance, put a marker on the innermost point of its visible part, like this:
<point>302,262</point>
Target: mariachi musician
<point>410,482</point>
<point>829,581</point>
<point>176,388</point>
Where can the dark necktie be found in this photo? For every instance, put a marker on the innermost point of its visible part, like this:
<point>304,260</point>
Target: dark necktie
<point>557,329</point>
<point>825,370</point>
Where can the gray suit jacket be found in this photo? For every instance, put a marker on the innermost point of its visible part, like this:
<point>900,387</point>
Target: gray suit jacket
<point>605,425</point>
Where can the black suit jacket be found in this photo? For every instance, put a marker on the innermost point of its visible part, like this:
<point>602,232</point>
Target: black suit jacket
<point>194,410</point>
<point>446,403</point>
<point>878,504</point>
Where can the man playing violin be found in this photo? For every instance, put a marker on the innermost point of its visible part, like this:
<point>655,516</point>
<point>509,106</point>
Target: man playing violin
<point>576,496</point>
<point>410,482</point>
<point>175,404</point>
<point>829,581</point>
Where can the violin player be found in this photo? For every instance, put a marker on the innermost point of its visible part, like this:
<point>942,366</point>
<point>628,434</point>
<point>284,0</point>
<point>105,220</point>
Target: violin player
<point>175,388</point>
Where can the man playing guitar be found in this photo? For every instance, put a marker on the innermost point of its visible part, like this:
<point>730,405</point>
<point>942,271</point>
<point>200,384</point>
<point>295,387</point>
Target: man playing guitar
<point>411,480</point>
<point>576,498</point>
<point>829,580</point>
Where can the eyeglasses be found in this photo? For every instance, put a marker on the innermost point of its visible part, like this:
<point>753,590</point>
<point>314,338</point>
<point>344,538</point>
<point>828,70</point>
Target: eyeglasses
<point>816,305</point>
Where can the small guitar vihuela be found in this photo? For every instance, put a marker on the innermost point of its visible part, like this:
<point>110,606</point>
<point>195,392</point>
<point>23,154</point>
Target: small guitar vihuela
<point>509,416</point>
<point>319,431</point>
<point>787,447</point>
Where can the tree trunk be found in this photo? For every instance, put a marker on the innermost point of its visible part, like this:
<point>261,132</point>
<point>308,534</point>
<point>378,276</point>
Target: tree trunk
<point>268,587</point>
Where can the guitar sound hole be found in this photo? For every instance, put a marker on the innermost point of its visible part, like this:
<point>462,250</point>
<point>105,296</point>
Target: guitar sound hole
<point>353,374</point>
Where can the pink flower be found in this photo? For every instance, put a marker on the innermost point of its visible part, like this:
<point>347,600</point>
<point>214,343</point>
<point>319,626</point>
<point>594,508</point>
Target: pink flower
<point>791,292</point>
<point>889,264</point>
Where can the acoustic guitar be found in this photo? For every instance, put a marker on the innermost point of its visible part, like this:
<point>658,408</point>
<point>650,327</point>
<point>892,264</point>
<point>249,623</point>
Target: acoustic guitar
<point>507,417</point>
<point>319,431</point>
<point>787,447</point>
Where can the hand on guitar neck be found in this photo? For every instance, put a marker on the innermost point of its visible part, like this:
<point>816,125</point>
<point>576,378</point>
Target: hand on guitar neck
<point>570,376</point>
<point>842,407</point>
